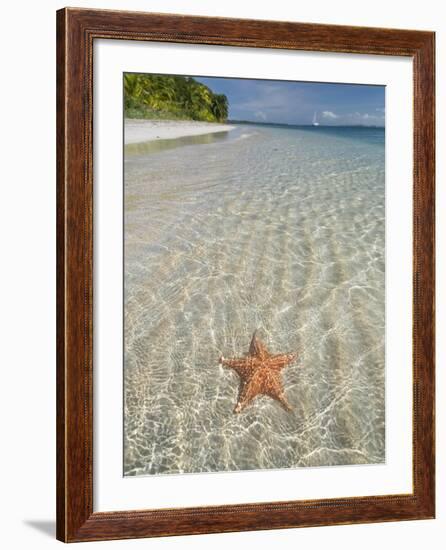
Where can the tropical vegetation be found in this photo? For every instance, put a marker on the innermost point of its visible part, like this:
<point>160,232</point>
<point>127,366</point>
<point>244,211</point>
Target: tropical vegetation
<point>172,97</point>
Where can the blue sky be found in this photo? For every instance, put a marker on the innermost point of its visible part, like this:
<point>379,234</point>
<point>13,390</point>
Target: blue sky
<point>296,102</point>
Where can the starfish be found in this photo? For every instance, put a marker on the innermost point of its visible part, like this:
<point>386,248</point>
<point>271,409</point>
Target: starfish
<point>259,373</point>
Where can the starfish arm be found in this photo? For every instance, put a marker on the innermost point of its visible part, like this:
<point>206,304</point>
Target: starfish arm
<point>242,366</point>
<point>277,362</point>
<point>284,402</point>
<point>258,348</point>
<point>247,393</point>
<point>273,387</point>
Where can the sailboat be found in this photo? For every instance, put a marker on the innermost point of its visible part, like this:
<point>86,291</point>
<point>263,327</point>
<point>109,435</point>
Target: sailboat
<point>315,122</point>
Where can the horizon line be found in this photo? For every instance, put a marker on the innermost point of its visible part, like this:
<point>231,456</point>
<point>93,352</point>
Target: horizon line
<point>309,125</point>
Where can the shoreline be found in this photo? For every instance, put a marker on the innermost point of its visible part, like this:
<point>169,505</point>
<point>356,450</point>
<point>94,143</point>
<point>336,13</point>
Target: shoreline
<point>141,130</point>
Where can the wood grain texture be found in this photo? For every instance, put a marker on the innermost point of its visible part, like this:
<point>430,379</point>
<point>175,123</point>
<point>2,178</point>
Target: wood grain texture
<point>76,31</point>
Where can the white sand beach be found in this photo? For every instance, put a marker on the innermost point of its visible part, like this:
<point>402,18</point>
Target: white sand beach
<point>139,131</point>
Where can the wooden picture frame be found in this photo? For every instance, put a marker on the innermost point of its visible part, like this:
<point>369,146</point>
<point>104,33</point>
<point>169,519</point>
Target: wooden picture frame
<point>77,29</point>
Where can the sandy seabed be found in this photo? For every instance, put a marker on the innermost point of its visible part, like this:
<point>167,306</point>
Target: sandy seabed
<point>280,230</point>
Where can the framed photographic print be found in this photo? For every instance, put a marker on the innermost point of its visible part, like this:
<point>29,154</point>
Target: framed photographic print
<point>245,275</point>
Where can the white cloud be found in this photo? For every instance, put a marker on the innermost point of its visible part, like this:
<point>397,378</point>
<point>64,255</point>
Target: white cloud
<point>372,119</point>
<point>329,114</point>
<point>261,115</point>
<point>367,119</point>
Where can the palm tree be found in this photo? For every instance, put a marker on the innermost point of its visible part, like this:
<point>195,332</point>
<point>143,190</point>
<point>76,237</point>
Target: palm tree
<point>159,91</point>
<point>179,95</point>
<point>132,88</point>
<point>220,107</point>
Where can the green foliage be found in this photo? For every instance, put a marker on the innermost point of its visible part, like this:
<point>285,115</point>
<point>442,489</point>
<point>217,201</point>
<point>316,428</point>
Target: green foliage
<point>176,97</point>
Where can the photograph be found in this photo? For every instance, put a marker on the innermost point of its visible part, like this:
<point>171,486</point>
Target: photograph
<point>254,274</point>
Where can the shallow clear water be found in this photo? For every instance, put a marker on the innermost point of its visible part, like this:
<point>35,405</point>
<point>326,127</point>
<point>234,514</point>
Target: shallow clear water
<point>268,228</point>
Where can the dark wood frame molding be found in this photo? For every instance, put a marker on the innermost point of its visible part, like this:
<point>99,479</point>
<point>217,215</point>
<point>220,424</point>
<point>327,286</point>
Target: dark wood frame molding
<point>76,31</point>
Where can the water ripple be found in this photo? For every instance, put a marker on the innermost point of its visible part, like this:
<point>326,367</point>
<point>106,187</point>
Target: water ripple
<point>284,232</point>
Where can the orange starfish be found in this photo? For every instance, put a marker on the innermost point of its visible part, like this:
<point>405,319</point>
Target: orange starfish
<point>259,373</point>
